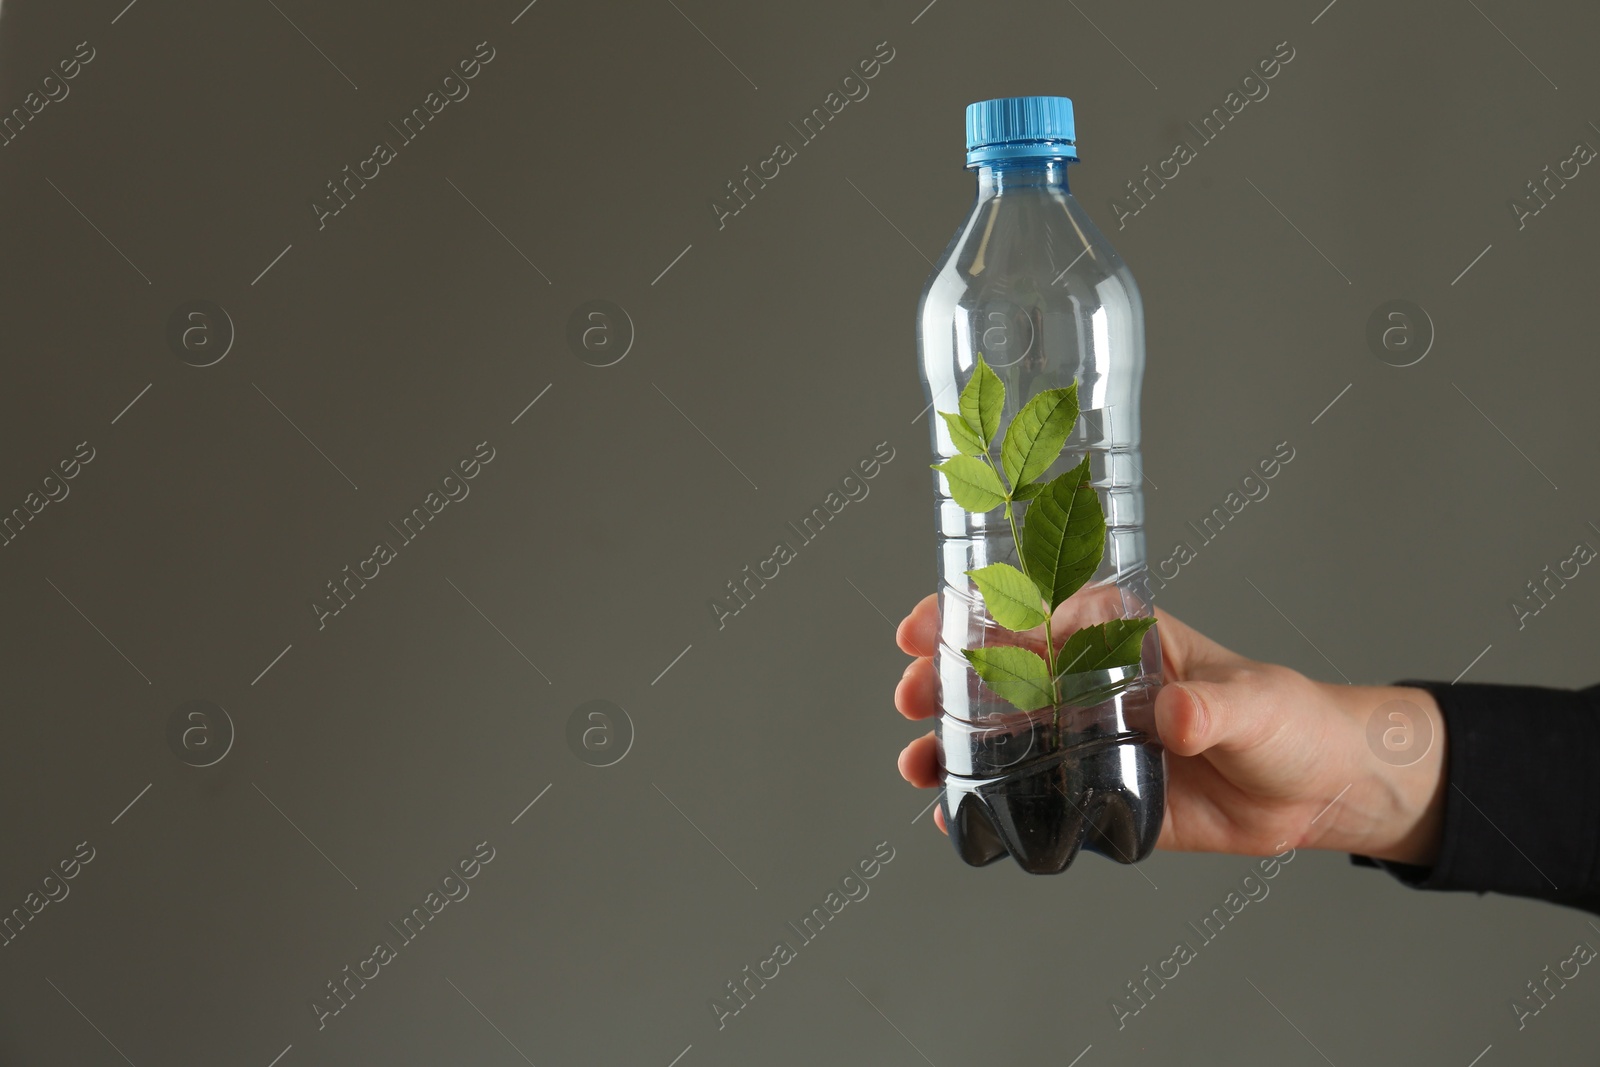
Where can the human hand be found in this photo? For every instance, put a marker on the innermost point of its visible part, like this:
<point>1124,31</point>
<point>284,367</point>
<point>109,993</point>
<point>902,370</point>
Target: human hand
<point>1259,757</point>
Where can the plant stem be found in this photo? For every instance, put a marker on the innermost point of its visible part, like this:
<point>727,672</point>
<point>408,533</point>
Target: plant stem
<point>1049,646</point>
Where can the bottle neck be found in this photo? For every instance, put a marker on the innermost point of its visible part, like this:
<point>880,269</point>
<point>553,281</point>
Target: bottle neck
<point>996,179</point>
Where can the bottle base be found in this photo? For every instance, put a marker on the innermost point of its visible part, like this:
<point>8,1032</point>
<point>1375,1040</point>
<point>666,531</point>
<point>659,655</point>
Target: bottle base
<point>1107,798</point>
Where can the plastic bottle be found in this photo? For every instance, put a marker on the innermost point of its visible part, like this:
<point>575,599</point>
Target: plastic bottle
<point>1030,282</point>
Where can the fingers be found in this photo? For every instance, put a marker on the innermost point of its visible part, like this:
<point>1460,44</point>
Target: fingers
<point>915,696</point>
<point>919,765</point>
<point>919,762</point>
<point>918,632</point>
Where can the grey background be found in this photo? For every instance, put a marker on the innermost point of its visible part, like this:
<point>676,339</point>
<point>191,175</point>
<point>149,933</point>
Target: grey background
<point>413,327</point>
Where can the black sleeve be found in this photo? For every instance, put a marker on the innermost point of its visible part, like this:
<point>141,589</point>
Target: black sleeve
<point>1522,804</point>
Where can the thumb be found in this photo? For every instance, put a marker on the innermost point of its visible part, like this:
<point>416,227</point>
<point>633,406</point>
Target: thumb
<point>1195,716</point>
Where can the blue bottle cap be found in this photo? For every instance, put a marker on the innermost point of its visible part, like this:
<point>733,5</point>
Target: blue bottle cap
<point>1020,127</point>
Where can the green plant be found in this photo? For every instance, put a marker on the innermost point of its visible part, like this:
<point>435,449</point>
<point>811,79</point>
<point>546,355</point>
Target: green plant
<point>1059,547</point>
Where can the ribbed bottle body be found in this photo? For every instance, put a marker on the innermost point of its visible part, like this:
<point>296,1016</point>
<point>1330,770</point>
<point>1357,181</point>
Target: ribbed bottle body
<point>1031,284</point>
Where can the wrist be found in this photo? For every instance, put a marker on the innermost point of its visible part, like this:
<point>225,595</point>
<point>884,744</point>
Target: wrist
<point>1394,808</point>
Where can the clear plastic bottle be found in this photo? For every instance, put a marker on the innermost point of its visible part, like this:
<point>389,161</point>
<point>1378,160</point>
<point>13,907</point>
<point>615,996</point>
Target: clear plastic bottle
<point>1031,284</point>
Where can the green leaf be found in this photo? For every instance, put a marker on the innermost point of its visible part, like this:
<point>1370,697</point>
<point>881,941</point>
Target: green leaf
<point>982,401</point>
<point>1036,436</point>
<point>965,437</point>
<point>1010,596</point>
<point>1106,685</point>
<point>1027,490</point>
<point>973,483</point>
<point>1015,674</point>
<point>1103,647</point>
<point>1065,535</point>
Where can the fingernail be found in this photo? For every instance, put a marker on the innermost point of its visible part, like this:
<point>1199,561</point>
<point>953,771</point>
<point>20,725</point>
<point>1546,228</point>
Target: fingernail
<point>1199,723</point>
